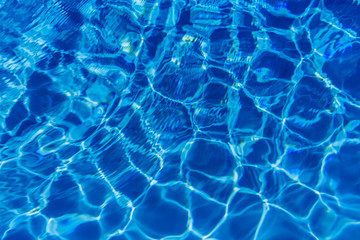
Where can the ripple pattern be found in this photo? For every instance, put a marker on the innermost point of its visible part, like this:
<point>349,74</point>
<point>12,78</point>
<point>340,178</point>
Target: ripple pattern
<point>177,119</point>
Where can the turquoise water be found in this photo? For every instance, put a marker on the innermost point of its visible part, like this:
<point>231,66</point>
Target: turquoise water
<point>179,119</point>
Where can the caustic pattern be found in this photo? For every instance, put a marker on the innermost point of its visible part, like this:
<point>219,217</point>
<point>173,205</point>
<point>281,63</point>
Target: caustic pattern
<point>177,119</point>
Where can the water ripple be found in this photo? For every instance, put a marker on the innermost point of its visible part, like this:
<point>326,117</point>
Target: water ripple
<point>179,119</point>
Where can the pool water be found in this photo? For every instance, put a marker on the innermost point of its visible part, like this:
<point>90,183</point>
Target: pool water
<point>177,119</point>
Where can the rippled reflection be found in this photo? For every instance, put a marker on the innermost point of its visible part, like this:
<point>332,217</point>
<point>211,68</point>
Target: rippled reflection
<point>177,119</point>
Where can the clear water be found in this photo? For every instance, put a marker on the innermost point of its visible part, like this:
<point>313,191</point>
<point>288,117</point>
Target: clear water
<point>179,119</point>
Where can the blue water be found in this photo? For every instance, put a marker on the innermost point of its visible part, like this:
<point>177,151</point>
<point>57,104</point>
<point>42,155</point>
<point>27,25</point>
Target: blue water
<point>176,119</point>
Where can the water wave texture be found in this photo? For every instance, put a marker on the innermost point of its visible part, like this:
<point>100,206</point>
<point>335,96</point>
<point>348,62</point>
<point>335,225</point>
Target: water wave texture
<point>178,119</point>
